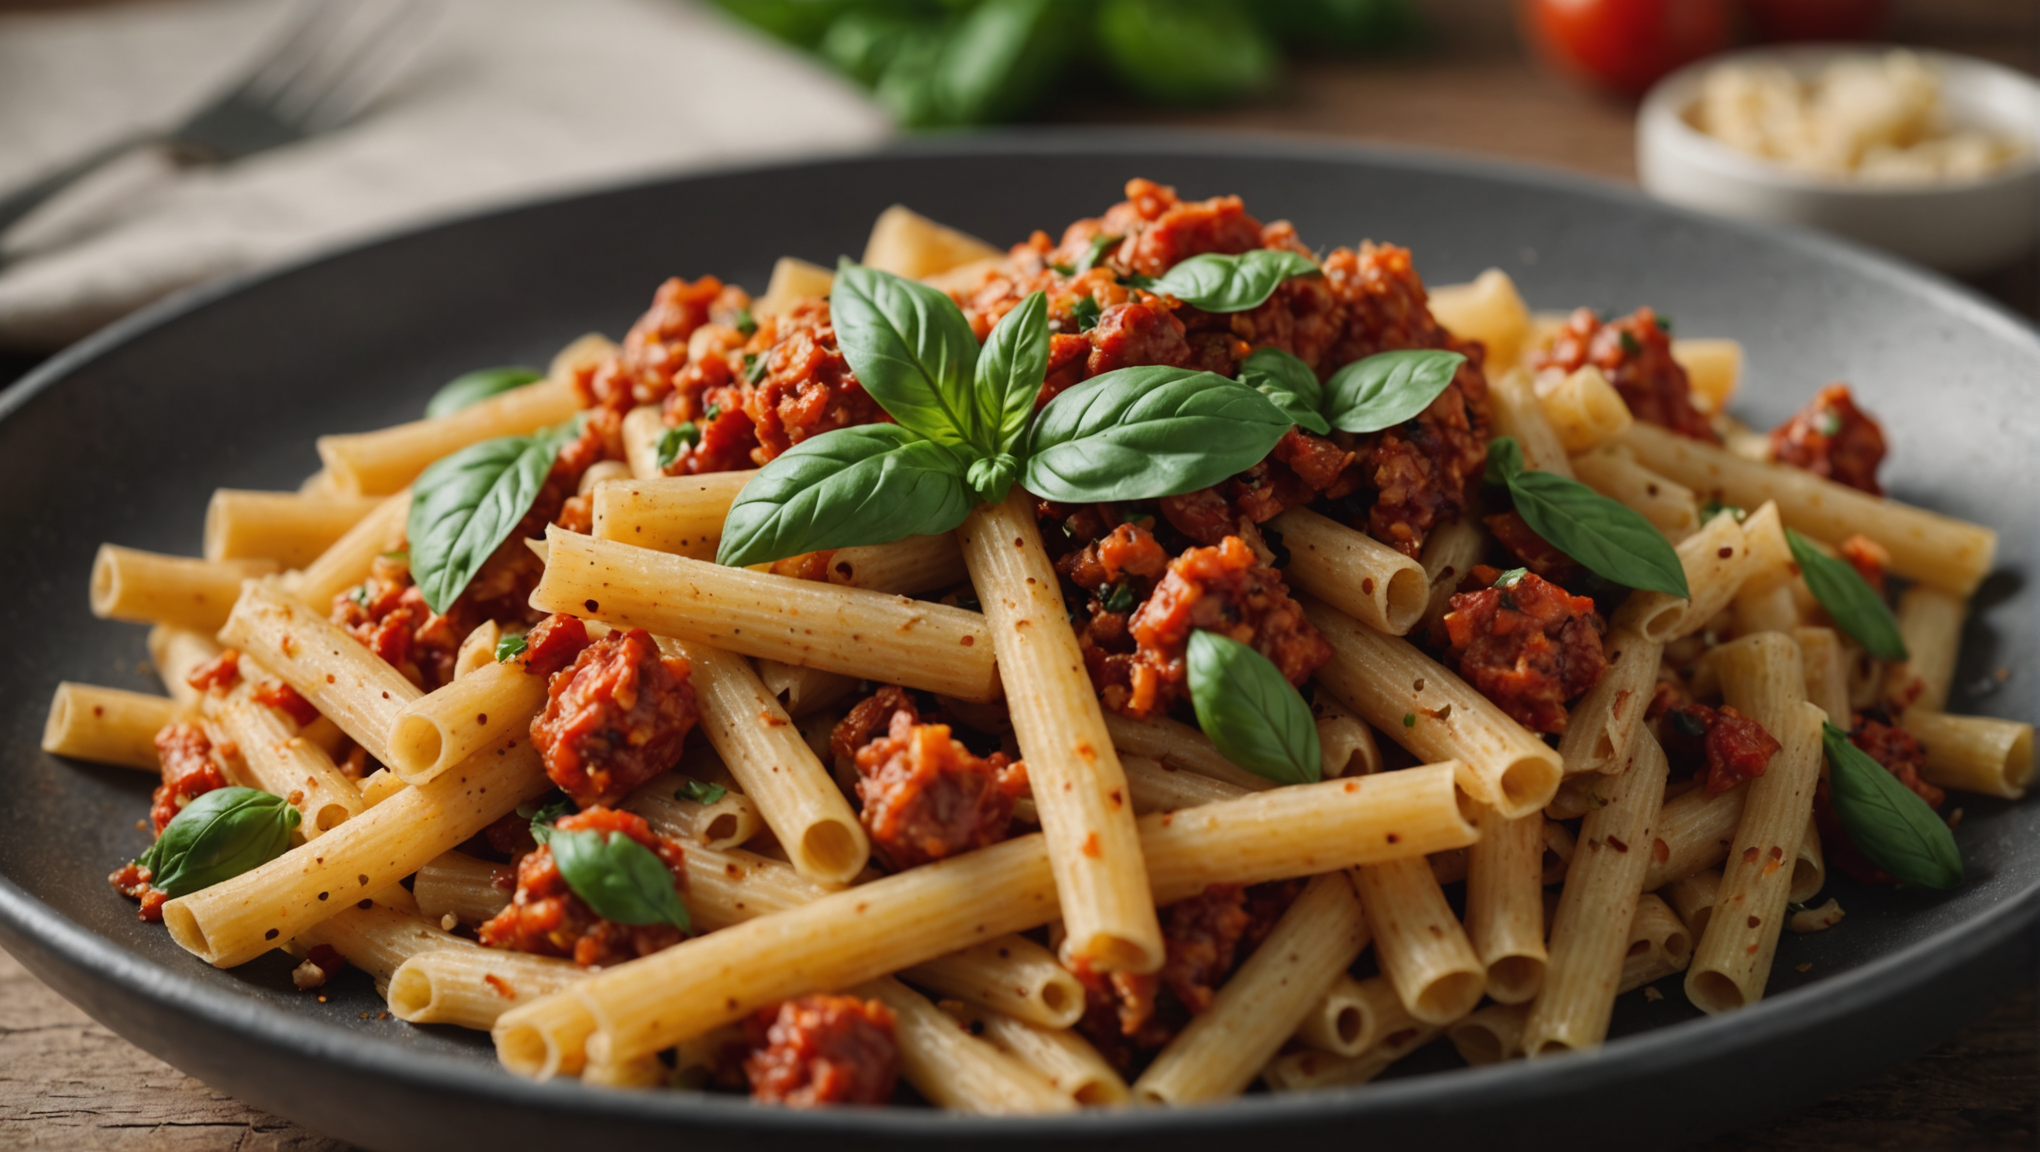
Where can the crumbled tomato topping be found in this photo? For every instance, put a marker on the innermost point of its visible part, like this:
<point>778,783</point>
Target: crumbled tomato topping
<point>1831,437</point>
<point>1529,647</point>
<point>926,796</point>
<point>655,351</point>
<point>546,918</point>
<point>221,672</point>
<point>615,718</point>
<point>285,699</point>
<point>553,643</point>
<point>190,770</point>
<point>821,1049</point>
<point>387,613</point>
<point>132,881</point>
<point>1729,746</point>
<point>1867,557</point>
<point>1635,354</point>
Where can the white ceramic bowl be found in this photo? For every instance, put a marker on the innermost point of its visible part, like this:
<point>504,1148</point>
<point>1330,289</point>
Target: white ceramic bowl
<point>1959,226</point>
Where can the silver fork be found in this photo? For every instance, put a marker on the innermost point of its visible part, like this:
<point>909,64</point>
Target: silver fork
<point>330,60</point>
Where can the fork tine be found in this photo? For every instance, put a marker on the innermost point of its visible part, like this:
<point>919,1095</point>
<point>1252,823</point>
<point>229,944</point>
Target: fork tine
<point>290,51</point>
<point>361,84</point>
<point>340,68</point>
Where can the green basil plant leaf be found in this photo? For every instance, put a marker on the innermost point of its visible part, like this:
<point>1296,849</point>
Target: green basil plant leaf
<point>218,836</point>
<point>1217,283</point>
<point>1387,388</point>
<point>912,350</point>
<point>673,440</point>
<point>1612,540</point>
<point>1856,607</point>
<point>1011,368</point>
<point>619,878</point>
<point>1251,712</point>
<point>699,792</point>
<point>542,817</point>
<point>871,484</point>
<point>477,386</point>
<point>1187,51</point>
<point>1000,59</point>
<point>1887,820</point>
<point>510,646</point>
<point>1290,383</point>
<point>1141,433</point>
<point>1095,252</point>
<point>465,505</point>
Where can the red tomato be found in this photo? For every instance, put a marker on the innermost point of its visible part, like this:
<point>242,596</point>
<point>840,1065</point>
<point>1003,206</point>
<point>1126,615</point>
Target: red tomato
<point>1816,19</point>
<point>1624,46</point>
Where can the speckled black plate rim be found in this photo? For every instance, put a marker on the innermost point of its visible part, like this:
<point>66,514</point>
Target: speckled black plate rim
<point>1988,947</point>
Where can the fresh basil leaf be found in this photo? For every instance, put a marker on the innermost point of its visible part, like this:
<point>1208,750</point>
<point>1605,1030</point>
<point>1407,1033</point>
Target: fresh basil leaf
<point>1095,252</point>
<point>1086,313</point>
<point>744,322</point>
<point>1713,508</point>
<point>1856,607</point>
<point>510,646</point>
<point>700,793</point>
<point>474,387</point>
<point>1219,283</point>
<point>1140,433</point>
<point>1504,460</point>
<point>619,878</point>
<point>1510,578</point>
<point>913,351</point>
<point>991,477</point>
<point>1001,59</point>
<point>542,817</point>
<point>1387,388</point>
<point>1290,383</point>
<point>863,43</point>
<point>673,440</point>
<point>1011,368</point>
<point>1120,598</point>
<point>1609,538</point>
<point>871,484</point>
<point>1187,51</point>
<point>218,836</point>
<point>1136,280</point>
<point>1254,716</point>
<point>464,506</point>
<point>1887,820</point>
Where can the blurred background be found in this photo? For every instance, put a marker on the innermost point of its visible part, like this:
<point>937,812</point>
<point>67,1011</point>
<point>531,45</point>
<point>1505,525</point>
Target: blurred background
<point>218,136</point>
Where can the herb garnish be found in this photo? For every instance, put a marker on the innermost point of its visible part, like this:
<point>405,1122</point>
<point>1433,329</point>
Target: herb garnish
<point>673,440</point>
<point>1219,283</point>
<point>619,878</point>
<point>510,646</point>
<point>1086,313</point>
<point>474,387</point>
<point>465,505</point>
<point>1886,820</point>
<point>699,792</point>
<point>1856,607</point>
<point>1608,538</point>
<point>1095,252</point>
<point>218,836</point>
<point>1251,712</point>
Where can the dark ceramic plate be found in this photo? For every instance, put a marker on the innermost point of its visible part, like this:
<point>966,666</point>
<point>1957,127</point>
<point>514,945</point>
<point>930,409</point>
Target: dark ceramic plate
<point>123,437</point>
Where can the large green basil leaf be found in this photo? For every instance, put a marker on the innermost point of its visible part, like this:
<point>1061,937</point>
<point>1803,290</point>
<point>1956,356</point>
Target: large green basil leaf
<point>464,506</point>
<point>1010,371</point>
<point>872,484</point>
<point>1290,383</point>
<point>1387,388</point>
<point>1887,821</point>
<point>1855,606</point>
<point>1187,51</point>
<point>1001,58</point>
<point>1140,433</point>
<point>1251,712</point>
<point>1217,283</point>
<point>619,878</point>
<point>913,351</point>
<point>477,386</point>
<point>218,836</point>
<point>1612,540</point>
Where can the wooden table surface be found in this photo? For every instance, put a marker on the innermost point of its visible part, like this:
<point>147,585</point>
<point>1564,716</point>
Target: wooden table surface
<point>67,1082</point>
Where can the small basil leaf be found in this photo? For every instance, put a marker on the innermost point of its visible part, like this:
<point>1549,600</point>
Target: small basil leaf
<point>1218,283</point>
<point>1011,368</point>
<point>1251,712</point>
<point>510,646</point>
<point>913,351</point>
<point>542,817</point>
<point>1000,59</point>
<point>218,836</point>
<point>465,505</point>
<point>1887,820</point>
<point>990,478</point>
<point>619,878</point>
<point>744,322</point>
<point>1188,51</point>
<point>1510,578</point>
<point>477,386</point>
<point>1095,252</point>
<point>871,484</point>
<point>1086,313</point>
<point>1140,433</point>
<point>1290,383</point>
<point>1609,538</point>
<point>1856,607</point>
<point>1387,388</point>
<point>673,440</point>
<point>1504,460</point>
<point>700,793</point>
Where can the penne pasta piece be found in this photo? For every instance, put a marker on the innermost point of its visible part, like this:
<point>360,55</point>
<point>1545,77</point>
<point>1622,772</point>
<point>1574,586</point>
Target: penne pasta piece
<point>346,563</point>
<point>1434,713</point>
<point>1353,572</point>
<point>1418,941</point>
<point>379,786</point>
<point>1061,1057</point>
<point>908,567</point>
<point>1692,898</point>
<point>682,515</point>
<point>870,635</point>
<point>1353,1016</point>
<point>1178,745</point>
<point>464,887</point>
<point>1809,866</point>
<point>443,727</point>
<point>1079,788</point>
<point>176,653</point>
<point>381,462</point>
<point>773,765</point>
<point>471,987</point>
<point>237,920</point>
<point>1930,622</point>
<point>1450,552</point>
<point>1605,720</point>
<point>930,911</point>
<point>290,528</point>
<point>1505,903</point>
<point>1517,412</point>
<point>727,822</point>
<point>1584,409</point>
<point>1559,848</point>
<point>1347,744</point>
<point>1590,932</point>
<point>906,243</point>
<point>954,1069</point>
<point>1659,945</point>
<point>792,280</point>
<point>1307,1071</point>
<point>346,682</point>
<point>1939,550</point>
<point>1223,1048</point>
<point>1827,684</point>
<point>643,427</point>
<point>1695,831</point>
<point>1156,787</point>
<point>1491,1034</point>
<point>377,938</point>
<point>1761,677</point>
<point>803,691</point>
<point>1012,977</point>
<point>478,650</point>
<point>1712,368</point>
<point>279,760</point>
<point>1487,309</point>
<point>1612,470</point>
<point>1973,753</point>
<point>178,591</point>
<point>1716,559</point>
<point>106,725</point>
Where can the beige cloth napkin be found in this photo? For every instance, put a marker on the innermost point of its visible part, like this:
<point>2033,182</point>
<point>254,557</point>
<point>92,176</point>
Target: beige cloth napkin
<point>505,100</point>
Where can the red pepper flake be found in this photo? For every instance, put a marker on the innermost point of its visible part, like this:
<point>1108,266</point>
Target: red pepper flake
<point>1091,846</point>
<point>500,986</point>
<point>1618,845</point>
